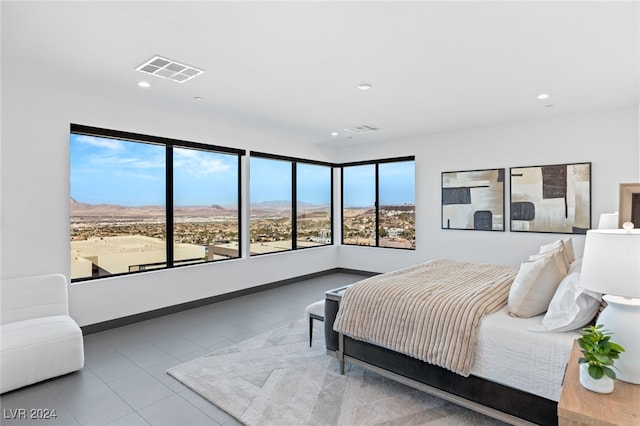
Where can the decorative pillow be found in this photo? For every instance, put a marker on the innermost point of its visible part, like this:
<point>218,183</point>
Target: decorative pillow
<point>557,246</point>
<point>572,306</point>
<point>576,266</point>
<point>568,247</point>
<point>562,258</point>
<point>535,284</point>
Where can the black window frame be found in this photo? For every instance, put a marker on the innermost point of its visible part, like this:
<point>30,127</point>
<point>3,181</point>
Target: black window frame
<point>169,144</point>
<point>375,163</point>
<point>294,198</point>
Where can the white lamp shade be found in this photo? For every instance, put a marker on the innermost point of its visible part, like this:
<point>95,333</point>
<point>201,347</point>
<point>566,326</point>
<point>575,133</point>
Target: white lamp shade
<point>611,262</point>
<point>608,221</point>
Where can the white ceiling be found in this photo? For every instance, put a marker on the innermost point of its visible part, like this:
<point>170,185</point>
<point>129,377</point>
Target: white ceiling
<point>291,68</point>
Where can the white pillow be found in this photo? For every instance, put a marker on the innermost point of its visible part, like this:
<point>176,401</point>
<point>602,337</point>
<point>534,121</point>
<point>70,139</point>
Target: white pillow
<point>534,285</point>
<point>568,246</point>
<point>557,246</point>
<point>576,266</point>
<point>561,257</point>
<point>572,306</point>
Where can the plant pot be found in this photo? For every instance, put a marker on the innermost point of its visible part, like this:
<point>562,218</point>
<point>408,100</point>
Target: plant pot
<point>602,385</point>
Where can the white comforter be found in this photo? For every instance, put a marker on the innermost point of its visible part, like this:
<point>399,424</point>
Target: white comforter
<point>510,353</point>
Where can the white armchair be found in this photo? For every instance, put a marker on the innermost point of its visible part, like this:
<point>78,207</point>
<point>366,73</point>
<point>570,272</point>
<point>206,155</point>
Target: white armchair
<point>39,339</point>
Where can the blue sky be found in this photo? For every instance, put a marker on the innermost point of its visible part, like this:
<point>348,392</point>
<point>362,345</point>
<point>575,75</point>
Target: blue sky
<point>358,186</point>
<point>133,174</point>
<point>270,180</point>
<point>397,183</point>
<point>396,180</point>
<point>112,171</point>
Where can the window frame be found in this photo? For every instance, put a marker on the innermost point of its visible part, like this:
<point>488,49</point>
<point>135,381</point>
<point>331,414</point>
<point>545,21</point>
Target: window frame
<point>294,198</point>
<point>169,144</point>
<point>375,163</point>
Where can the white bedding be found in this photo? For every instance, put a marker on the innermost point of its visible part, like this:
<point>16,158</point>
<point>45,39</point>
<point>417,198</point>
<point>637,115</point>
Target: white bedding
<point>508,352</point>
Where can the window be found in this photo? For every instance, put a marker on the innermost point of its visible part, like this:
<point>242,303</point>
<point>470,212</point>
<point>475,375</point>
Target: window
<point>313,205</point>
<point>378,203</point>
<point>290,204</point>
<point>205,212</point>
<point>131,193</point>
<point>270,205</point>
<point>359,205</point>
<point>397,187</point>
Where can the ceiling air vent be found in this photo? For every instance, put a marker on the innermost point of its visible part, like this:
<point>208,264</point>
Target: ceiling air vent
<point>365,128</point>
<point>169,69</point>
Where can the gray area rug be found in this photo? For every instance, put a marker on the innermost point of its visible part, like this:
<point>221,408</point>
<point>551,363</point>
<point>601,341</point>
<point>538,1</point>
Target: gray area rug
<point>276,379</point>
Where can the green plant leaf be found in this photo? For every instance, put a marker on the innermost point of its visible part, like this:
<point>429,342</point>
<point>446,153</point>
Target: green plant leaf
<point>617,347</point>
<point>598,350</point>
<point>610,373</point>
<point>596,372</point>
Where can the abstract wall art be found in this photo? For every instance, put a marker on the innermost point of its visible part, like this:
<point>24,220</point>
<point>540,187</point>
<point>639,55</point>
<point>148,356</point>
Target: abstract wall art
<point>473,200</point>
<point>554,198</point>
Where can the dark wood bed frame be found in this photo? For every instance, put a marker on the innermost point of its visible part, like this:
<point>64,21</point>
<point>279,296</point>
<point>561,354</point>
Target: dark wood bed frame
<point>493,399</point>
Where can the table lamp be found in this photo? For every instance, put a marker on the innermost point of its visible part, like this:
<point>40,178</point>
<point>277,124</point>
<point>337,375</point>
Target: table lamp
<point>611,266</point>
<point>608,221</point>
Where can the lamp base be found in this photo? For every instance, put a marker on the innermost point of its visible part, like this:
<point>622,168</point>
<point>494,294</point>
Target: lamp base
<point>621,318</point>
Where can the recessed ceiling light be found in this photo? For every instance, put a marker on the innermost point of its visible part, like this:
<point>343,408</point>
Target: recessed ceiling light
<point>335,134</point>
<point>144,84</point>
<point>364,86</point>
<point>543,96</point>
<point>169,69</point>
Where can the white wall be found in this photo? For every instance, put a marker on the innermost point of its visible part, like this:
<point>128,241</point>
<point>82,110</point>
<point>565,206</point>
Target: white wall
<point>34,184</point>
<point>35,197</point>
<point>607,139</point>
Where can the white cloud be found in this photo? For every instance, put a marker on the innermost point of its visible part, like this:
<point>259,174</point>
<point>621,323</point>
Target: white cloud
<point>198,162</point>
<point>111,144</point>
<point>132,165</point>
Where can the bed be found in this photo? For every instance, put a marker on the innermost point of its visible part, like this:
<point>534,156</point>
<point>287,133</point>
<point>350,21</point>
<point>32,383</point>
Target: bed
<point>514,359</point>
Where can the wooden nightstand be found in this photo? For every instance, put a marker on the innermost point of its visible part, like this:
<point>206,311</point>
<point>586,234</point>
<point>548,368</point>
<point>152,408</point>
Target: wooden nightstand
<point>579,406</point>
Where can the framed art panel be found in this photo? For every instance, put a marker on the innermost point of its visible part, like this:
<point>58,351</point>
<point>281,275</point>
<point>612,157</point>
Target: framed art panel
<point>629,204</point>
<point>473,200</point>
<point>554,198</point>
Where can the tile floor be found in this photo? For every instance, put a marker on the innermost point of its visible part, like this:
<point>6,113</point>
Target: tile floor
<point>124,381</point>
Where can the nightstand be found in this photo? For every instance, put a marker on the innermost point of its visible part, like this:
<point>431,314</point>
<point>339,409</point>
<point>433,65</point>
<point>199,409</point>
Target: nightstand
<point>579,406</point>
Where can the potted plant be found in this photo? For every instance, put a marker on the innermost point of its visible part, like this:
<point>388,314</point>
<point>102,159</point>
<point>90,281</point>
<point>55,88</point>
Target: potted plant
<point>599,353</point>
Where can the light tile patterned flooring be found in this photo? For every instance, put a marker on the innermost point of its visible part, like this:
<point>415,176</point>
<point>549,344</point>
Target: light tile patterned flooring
<point>124,381</point>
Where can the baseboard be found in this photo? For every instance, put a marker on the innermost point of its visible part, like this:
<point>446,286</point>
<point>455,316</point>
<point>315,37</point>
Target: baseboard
<point>143,316</point>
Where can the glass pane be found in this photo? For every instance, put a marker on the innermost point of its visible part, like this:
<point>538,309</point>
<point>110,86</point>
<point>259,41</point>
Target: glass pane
<point>359,210</point>
<point>270,208</point>
<point>397,189</point>
<point>313,205</point>
<point>205,201</point>
<point>118,218</point>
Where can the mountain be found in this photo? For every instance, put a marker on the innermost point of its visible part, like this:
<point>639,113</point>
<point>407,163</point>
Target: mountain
<point>399,207</point>
<point>282,206</point>
<point>111,210</point>
<point>114,210</point>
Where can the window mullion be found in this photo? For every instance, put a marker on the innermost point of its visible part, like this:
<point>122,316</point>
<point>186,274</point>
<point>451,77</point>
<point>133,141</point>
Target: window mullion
<point>169,205</point>
<point>377,205</point>
<point>294,207</point>
<point>240,209</point>
<point>331,209</point>
<point>341,205</point>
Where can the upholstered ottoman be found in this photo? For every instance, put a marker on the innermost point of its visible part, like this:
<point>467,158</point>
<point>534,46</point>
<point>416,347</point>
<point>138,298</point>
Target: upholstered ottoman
<point>315,311</point>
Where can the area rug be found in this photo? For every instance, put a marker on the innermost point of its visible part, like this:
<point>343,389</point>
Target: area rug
<point>277,379</point>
